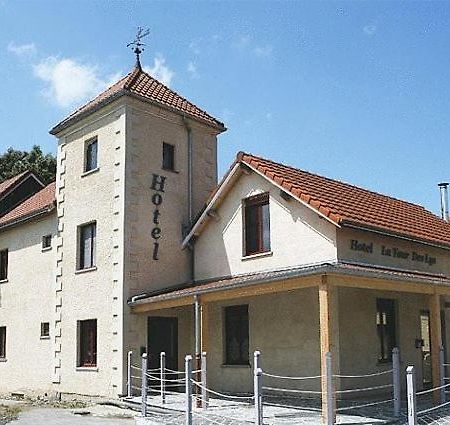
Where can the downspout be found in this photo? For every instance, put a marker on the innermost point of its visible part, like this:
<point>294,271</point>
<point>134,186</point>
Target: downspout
<point>190,165</point>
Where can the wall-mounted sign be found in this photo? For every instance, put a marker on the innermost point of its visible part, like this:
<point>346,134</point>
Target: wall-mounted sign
<point>389,251</point>
<point>158,183</point>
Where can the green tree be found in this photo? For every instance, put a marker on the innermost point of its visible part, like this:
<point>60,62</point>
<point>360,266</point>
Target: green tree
<point>14,162</point>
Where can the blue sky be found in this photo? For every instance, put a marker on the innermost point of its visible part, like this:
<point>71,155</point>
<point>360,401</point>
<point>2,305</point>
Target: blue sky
<point>358,91</point>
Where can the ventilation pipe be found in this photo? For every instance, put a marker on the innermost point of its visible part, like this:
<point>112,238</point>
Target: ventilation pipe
<point>443,187</point>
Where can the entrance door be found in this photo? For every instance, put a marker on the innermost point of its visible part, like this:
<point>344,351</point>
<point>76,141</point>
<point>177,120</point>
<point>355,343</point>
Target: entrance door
<point>162,335</point>
<point>426,347</point>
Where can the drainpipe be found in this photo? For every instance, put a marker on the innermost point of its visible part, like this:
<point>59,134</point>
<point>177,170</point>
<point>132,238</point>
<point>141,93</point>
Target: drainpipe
<point>190,161</point>
<point>443,187</point>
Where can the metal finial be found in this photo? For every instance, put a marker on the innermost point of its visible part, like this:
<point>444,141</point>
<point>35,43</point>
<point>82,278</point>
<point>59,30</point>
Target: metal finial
<point>138,45</point>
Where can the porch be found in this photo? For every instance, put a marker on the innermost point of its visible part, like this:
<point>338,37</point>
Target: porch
<point>296,316</point>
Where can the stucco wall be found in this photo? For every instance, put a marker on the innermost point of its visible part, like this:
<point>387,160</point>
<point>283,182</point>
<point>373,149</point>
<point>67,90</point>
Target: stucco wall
<point>26,300</point>
<point>298,236</point>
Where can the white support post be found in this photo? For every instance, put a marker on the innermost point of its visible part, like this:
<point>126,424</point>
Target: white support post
<point>257,388</point>
<point>442,369</point>
<point>330,389</point>
<point>144,386</point>
<point>396,381</point>
<point>129,380</point>
<point>411,389</point>
<point>204,382</point>
<point>188,376</point>
<point>162,375</point>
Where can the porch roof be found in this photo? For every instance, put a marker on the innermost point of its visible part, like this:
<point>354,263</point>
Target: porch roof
<point>282,276</point>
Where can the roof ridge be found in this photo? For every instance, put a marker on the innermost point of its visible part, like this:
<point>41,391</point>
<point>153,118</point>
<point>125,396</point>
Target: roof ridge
<point>335,180</point>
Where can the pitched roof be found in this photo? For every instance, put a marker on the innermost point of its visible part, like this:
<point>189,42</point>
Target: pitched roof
<point>41,201</point>
<point>8,184</point>
<point>341,203</point>
<point>142,85</point>
<point>346,204</point>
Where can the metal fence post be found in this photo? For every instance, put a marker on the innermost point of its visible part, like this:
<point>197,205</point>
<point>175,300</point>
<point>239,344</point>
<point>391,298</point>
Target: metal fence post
<point>162,375</point>
<point>144,385</point>
<point>396,381</point>
<point>188,377</point>
<point>204,382</point>
<point>330,389</point>
<point>129,381</point>
<point>442,373</point>
<point>411,388</point>
<point>258,397</point>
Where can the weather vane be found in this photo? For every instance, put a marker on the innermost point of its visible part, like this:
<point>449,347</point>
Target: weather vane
<point>138,46</point>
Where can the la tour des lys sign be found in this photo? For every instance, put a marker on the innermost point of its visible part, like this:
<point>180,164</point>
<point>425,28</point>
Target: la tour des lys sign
<point>157,186</point>
<point>394,252</point>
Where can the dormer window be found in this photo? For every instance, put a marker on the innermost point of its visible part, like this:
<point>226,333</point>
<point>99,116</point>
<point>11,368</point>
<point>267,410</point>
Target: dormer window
<point>257,224</point>
<point>90,162</point>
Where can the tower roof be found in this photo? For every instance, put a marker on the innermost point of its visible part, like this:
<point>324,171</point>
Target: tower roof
<point>143,86</point>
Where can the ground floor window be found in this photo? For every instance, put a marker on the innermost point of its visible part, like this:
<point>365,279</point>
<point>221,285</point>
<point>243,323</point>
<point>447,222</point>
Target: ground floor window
<point>386,328</point>
<point>87,343</point>
<point>236,335</point>
<point>2,342</point>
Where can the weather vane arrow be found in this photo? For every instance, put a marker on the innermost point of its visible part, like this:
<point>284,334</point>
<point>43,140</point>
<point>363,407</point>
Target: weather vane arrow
<point>137,45</point>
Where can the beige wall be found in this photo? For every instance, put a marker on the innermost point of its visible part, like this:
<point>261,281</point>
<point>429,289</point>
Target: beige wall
<point>298,235</point>
<point>345,237</point>
<point>26,300</point>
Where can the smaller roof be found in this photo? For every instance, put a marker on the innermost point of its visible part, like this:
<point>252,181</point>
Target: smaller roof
<point>10,183</point>
<point>140,84</point>
<point>341,203</point>
<point>40,202</point>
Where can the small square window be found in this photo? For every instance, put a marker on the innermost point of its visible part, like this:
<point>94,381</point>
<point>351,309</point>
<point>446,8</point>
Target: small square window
<point>91,150</point>
<point>46,241</point>
<point>4,264</point>
<point>168,157</point>
<point>87,343</point>
<point>45,329</point>
<point>87,235</point>
<point>2,342</point>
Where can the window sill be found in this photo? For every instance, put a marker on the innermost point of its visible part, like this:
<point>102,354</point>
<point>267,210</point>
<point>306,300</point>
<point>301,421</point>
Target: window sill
<point>170,171</point>
<point>49,248</point>
<point>45,337</point>
<point>88,173</point>
<point>3,359</point>
<point>258,255</point>
<point>90,269</point>
<point>86,369</point>
<point>236,366</point>
<point>4,281</point>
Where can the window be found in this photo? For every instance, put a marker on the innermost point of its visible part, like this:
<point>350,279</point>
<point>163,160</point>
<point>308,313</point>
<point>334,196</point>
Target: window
<point>2,342</point>
<point>87,343</point>
<point>90,162</point>
<point>386,323</point>
<point>4,264</point>
<point>236,335</point>
<point>257,224</point>
<point>46,241</point>
<point>86,248</point>
<point>168,157</point>
<point>45,329</point>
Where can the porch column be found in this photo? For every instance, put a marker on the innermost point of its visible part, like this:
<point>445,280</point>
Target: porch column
<point>436,342</point>
<point>328,329</point>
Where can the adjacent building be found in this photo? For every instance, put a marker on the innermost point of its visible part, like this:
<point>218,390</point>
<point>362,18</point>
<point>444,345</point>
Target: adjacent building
<point>135,241</point>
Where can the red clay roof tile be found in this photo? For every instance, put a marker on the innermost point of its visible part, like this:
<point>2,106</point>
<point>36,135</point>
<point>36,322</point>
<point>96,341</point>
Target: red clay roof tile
<point>141,84</point>
<point>345,204</point>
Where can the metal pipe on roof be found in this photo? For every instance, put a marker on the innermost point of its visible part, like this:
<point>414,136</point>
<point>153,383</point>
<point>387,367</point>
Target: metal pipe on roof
<point>443,188</point>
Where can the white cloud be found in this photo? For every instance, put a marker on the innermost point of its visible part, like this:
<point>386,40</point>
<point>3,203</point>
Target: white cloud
<point>263,52</point>
<point>194,48</point>
<point>22,50</point>
<point>67,81</point>
<point>160,70</point>
<point>192,70</point>
<point>370,29</point>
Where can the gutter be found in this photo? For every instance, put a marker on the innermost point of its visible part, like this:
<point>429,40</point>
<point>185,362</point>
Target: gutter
<point>29,217</point>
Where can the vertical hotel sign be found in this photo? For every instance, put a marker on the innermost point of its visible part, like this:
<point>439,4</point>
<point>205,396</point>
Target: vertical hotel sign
<point>157,187</point>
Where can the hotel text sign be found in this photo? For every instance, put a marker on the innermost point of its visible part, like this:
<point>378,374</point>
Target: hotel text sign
<point>394,252</point>
<point>158,183</point>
